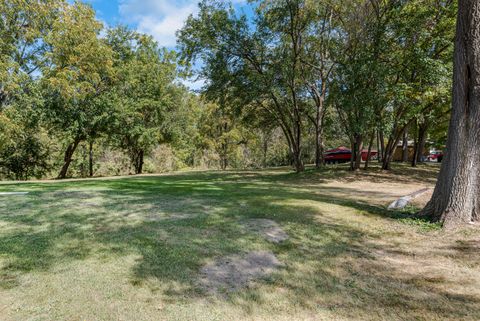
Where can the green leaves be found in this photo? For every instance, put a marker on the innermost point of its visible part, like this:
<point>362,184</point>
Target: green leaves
<point>79,63</point>
<point>146,91</point>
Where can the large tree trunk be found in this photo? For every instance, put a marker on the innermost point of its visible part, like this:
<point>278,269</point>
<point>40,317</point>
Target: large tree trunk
<point>67,159</point>
<point>297,146</point>
<point>392,143</point>
<point>294,145</point>
<point>319,117</point>
<point>297,159</point>
<point>389,152</point>
<point>455,200</point>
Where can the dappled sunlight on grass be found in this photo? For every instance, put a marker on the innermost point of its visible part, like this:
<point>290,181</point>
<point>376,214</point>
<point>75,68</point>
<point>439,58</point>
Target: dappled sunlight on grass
<point>133,248</point>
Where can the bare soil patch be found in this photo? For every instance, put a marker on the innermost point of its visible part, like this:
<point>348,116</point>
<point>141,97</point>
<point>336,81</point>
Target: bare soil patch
<point>268,229</point>
<point>233,272</point>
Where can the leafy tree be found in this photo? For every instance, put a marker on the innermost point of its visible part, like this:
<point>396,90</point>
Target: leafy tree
<point>23,26</point>
<point>258,62</point>
<point>77,72</point>
<point>318,62</point>
<point>420,61</point>
<point>359,81</point>
<point>24,149</point>
<point>147,94</point>
<point>393,68</point>
<point>221,132</point>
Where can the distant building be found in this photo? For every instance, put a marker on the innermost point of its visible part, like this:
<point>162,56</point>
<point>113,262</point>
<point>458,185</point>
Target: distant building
<point>398,155</point>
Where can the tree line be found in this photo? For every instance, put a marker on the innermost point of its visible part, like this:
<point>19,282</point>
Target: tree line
<point>80,99</point>
<point>383,68</point>
<point>281,85</point>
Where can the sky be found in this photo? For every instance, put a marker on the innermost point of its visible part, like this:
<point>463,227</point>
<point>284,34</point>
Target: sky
<point>159,18</point>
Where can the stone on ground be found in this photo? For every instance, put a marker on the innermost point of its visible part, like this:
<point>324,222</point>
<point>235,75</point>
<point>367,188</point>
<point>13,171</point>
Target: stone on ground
<point>402,202</point>
<point>13,193</point>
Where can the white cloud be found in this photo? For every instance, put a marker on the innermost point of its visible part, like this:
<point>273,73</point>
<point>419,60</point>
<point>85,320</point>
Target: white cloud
<point>160,18</point>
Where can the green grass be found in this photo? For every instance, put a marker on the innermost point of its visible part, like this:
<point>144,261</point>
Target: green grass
<point>132,249</point>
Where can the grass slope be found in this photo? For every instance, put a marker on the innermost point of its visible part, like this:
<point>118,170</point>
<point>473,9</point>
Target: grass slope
<point>132,248</point>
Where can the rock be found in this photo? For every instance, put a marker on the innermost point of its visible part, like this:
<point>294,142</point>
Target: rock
<point>13,193</point>
<point>402,202</point>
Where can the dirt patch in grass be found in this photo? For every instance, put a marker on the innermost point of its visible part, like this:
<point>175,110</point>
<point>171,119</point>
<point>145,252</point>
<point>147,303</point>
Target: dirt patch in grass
<point>234,272</point>
<point>268,229</point>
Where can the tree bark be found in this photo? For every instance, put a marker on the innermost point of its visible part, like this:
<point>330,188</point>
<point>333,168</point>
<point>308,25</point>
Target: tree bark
<point>356,159</point>
<point>90,159</point>
<point>297,146</point>
<point>392,143</point>
<point>138,161</point>
<point>297,159</point>
<point>405,146</point>
<point>67,159</point>
<point>388,153</point>
<point>318,144</point>
<point>455,200</point>
<point>319,98</point>
<point>381,145</point>
<point>420,144</point>
<point>369,154</point>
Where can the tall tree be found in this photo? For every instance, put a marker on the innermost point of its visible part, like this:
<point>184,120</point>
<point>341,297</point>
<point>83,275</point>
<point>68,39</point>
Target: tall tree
<point>318,63</point>
<point>259,61</point>
<point>147,94</point>
<point>419,61</point>
<point>359,82</point>
<point>455,199</point>
<point>77,71</point>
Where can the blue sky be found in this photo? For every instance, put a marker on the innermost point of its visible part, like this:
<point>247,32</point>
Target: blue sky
<point>159,18</point>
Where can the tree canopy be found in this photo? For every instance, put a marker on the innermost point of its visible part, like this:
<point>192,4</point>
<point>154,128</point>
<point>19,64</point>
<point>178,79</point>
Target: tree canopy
<point>283,83</point>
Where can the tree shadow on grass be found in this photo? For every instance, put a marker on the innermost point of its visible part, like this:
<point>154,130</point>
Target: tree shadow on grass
<point>329,264</point>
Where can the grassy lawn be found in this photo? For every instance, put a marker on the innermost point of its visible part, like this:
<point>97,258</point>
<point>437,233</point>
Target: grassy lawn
<point>132,249</point>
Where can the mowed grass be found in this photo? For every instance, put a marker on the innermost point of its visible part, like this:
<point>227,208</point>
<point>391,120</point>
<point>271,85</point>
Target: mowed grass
<point>132,248</point>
